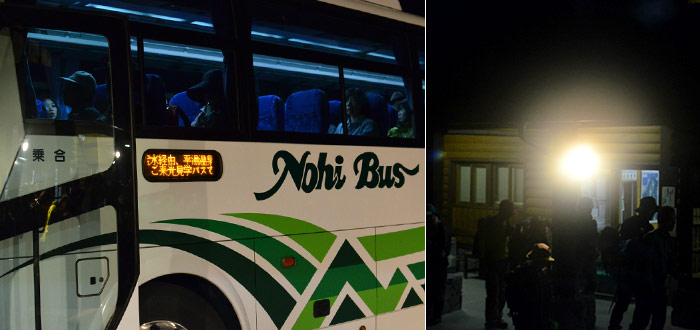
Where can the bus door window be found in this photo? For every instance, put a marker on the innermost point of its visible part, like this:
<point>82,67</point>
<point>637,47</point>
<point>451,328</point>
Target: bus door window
<point>183,85</point>
<point>58,144</point>
<point>69,75</point>
<point>295,96</point>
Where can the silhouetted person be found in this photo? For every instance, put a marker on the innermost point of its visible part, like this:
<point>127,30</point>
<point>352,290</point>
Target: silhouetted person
<point>658,263</point>
<point>529,290</point>
<point>525,235</point>
<point>491,241</point>
<point>357,108</point>
<point>519,244</point>
<point>78,94</point>
<point>588,254</point>
<point>437,249</point>
<point>631,232</point>
<point>404,126</point>
<point>209,92</point>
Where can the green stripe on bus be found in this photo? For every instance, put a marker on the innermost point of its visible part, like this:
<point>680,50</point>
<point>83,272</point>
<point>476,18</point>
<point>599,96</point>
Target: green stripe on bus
<point>232,231</point>
<point>269,248</point>
<point>388,298</point>
<point>418,270</point>
<point>317,244</point>
<point>104,239</point>
<point>269,294</point>
<point>347,311</point>
<point>306,319</point>
<point>395,244</point>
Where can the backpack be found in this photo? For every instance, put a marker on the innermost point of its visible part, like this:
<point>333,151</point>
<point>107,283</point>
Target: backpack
<point>609,247</point>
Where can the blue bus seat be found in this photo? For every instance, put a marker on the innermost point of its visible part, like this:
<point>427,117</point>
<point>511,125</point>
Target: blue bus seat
<point>307,111</point>
<point>188,106</point>
<point>154,106</point>
<point>335,109</point>
<point>378,112</point>
<point>101,98</point>
<point>270,113</point>
<point>40,111</point>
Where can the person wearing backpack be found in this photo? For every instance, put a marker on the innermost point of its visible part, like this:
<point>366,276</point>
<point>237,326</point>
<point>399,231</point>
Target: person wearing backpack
<point>529,291</point>
<point>491,242</point>
<point>631,233</point>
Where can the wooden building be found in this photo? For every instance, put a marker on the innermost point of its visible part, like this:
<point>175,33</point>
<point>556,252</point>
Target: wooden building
<point>477,168</point>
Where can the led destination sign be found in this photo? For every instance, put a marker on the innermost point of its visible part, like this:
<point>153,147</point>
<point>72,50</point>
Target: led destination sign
<point>170,165</point>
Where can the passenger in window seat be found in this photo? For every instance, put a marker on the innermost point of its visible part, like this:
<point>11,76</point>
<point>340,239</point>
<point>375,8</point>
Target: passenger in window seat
<point>357,107</point>
<point>79,93</point>
<point>404,127</point>
<point>209,92</point>
<point>50,108</point>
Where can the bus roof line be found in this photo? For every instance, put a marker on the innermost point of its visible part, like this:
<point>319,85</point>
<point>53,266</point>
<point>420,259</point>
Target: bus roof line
<point>378,10</point>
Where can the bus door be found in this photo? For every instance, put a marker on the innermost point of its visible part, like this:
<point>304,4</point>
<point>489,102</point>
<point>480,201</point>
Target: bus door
<point>68,248</point>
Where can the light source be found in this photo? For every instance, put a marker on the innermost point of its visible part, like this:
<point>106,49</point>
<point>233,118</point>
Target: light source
<point>579,163</point>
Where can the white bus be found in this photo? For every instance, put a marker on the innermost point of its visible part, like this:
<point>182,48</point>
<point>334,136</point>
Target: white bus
<point>211,165</point>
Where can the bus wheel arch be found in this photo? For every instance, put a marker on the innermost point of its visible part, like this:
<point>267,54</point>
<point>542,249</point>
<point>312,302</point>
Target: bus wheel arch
<point>186,299</point>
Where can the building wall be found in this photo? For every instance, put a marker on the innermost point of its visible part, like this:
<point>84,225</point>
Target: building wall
<point>538,150</point>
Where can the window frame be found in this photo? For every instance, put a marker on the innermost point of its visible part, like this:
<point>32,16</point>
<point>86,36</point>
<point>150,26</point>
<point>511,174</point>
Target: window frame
<point>511,181</point>
<point>142,31</point>
<point>472,183</point>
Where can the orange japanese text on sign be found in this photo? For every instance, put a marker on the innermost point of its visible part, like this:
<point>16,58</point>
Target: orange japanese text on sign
<point>176,165</point>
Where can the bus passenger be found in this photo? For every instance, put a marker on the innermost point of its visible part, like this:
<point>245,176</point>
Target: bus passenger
<point>404,126</point>
<point>357,107</point>
<point>209,92</point>
<point>79,93</point>
<point>396,97</point>
<point>50,108</point>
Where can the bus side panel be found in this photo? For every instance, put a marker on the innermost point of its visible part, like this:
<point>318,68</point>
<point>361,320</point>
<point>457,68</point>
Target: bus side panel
<point>400,256</point>
<point>319,206</point>
<point>195,259</point>
<point>17,290</point>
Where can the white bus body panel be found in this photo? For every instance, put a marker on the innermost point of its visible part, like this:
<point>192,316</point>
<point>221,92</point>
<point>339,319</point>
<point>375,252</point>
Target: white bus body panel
<point>349,213</point>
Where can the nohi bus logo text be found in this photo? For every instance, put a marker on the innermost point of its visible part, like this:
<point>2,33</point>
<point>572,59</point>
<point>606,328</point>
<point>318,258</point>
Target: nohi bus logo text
<point>308,176</point>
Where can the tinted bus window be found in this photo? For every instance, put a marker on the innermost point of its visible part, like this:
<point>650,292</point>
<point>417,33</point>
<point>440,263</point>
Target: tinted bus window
<point>191,15</point>
<point>182,85</point>
<point>68,74</point>
<point>298,37</point>
<point>376,104</point>
<point>295,96</point>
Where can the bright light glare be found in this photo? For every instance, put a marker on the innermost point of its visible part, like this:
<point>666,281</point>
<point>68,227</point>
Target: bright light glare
<point>25,146</point>
<point>117,154</point>
<point>579,163</point>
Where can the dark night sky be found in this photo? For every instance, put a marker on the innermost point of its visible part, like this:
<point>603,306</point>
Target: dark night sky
<point>531,61</point>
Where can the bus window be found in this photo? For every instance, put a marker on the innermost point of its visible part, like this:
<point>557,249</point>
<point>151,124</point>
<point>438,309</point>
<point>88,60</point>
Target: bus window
<point>294,96</point>
<point>186,15</point>
<point>305,38</point>
<point>387,107</point>
<point>183,85</point>
<point>68,74</point>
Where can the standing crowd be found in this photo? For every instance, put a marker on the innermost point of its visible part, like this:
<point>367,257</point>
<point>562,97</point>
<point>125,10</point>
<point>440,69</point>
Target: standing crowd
<point>554,288</point>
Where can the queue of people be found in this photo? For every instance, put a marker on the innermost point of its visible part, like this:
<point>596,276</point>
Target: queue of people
<point>544,292</point>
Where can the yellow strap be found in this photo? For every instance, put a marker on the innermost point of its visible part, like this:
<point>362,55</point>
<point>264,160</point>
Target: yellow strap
<point>48,217</point>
